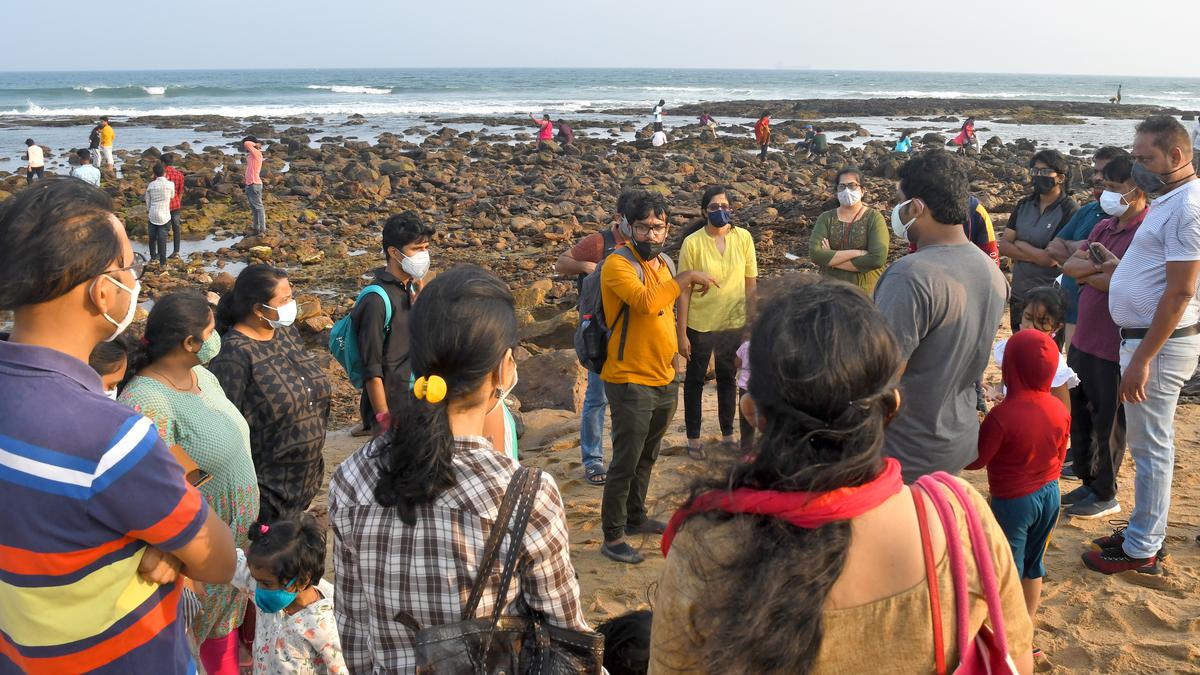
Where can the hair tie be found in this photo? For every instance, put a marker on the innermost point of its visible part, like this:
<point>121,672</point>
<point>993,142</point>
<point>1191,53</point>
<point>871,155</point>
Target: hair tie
<point>431,389</point>
<point>262,529</point>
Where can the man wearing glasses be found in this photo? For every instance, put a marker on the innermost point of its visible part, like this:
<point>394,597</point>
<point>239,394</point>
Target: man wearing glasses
<point>639,289</point>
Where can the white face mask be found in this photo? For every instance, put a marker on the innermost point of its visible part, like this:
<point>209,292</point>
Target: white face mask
<point>899,227</point>
<point>505,393</point>
<point>849,197</point>
<point>1113,203</point>
<point>415,265</point>
<point>111,394</point>
<point>121,325</point>
<point>286,314</point>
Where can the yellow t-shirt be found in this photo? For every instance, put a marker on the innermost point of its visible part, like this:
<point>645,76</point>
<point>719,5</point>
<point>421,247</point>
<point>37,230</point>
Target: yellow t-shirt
<point>721,308</point>
<point>106,136</point>
<point>651,345</point>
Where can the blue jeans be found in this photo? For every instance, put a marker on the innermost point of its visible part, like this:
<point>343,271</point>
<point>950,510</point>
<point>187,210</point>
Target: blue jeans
<point>591,428</point>
<point>1150,432</point>
<point>257,211</point>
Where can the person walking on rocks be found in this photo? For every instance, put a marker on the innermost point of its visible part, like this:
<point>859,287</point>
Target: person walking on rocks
<point>107,137</point>
<point>159,194</point>
<point>639,376</point>
<point>762,134</point>
<point>545,127</point>
<point>254,184</point>
<point>1152,297</point>
<point>710,325</point>
<point>176,177</point>
<point>35,168</point>
<point>86,171</point>
<point>943,303</point>
<point>850,242</point>
<point>94,143</point>
<point>581,261</point>
<point>659,111</point>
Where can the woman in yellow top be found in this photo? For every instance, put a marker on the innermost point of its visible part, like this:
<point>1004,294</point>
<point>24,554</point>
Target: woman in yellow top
<point>850,242</point>
<point>713,323</point>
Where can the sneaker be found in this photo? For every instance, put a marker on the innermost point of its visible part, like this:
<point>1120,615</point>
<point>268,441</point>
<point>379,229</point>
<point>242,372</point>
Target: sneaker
<point>1117,539</point>
<point>648,526</point>
<point>1114,560</point>
<point>1092,507</point>
<point>1068,472</point>
<point>622,552</point>
<point>1077,495</point>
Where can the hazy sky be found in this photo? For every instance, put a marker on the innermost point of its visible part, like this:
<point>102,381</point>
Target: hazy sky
<point>1101,37</point>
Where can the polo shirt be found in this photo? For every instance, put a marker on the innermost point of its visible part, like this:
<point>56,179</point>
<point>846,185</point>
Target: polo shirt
<point>87,172</point>
<point>1078,229</point>
<point>85,485</point>
<point>724,306</point>
<point>1096,333</point>
<point>1037,228</point>
<point>1169,233</point>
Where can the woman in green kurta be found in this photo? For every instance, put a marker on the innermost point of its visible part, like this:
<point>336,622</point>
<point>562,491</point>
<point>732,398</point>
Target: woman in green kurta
<point>850,242</point>
<point>185,401</point>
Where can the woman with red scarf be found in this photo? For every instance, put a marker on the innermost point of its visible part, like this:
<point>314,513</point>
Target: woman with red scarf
<point>809,555</point>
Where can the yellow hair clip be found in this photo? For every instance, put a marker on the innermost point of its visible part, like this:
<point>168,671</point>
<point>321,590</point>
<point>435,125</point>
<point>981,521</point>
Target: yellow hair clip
<point>431,389</point>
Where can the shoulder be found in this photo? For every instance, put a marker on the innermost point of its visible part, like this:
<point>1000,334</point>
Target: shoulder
<point>742,235</point>
<point>204,376</point>
<point>145,392</point>
<point>873,217</point>
<point>353,483</point>
<point>827,216</point>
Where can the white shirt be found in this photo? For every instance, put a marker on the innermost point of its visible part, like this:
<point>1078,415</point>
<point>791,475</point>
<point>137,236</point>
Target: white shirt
<point>159,193</point>
<point>87,172</point>
<point>37,158</point>
<point>659,138</point>
<point>1063,375</point>
<point>1170,233</point>
<point>658,109</point>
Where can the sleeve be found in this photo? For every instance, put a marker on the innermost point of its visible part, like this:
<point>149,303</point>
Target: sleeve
<point>907,307</point>
<point>1017,625</point>
<point>1064,375</point>
<point>985,233</point>
<point>154,405</point>
<point>170,191</point>
<point>548,582</point>
<point>673,639</point>
<point>877,245</point>
<point>1182,236</point>
<point>589,249</point>
<point>687,255</point>
<point>231,367</point>
<point>821,256</point>
<point>370,330</point>
<point>991,437</point>
<point>322,636</point>
<point>350,604</point>
<point>1014,219</point>
<point>751,256</point>
<point>620,277</point>
<point>242,579</point>
<point>143,494</point>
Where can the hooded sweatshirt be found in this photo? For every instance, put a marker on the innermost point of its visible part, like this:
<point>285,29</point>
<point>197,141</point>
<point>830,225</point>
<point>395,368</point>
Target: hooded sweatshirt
<point>1023,440</point>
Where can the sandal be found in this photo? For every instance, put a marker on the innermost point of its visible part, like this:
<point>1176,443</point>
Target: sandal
<point>697,453</point>
<point>597,477</point>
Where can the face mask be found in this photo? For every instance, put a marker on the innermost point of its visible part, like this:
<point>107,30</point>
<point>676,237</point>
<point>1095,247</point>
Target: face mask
<point>849,197</point>
<point>274,600</point>
<point>899,227</point>
<point>1149,182</point>
<point>121,325</point>
<point>1043,184</point>
<point>1113,203</point>
<point>504,393</point>
<point>625,228</point>
<point>416,265</point>
<point>646,250</point>
<point>286,314</point>
<point>111,394</point>
<point>719,218</point>
<point>210,348</point>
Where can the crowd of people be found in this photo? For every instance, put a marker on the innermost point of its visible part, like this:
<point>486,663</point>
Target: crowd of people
<point>165,497</point>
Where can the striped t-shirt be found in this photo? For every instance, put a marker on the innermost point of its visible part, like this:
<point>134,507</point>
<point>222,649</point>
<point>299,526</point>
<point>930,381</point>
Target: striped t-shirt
<point>1169,233</point>
<point>85,486</point>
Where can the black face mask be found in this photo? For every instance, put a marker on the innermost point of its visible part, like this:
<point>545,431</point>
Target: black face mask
<point>646,250</point>
<point>1043,184</point>
<point>1151,182</point>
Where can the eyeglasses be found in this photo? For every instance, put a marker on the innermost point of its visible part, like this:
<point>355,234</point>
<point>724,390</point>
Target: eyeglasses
<point>1043,172</point>
<point>138,268</point>
<point>848,186</point>
<point>713,208</point>
<point>643,230</point>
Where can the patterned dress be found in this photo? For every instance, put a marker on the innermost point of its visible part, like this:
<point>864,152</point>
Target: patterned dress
<point>282,392</point>
<point>214,434</point>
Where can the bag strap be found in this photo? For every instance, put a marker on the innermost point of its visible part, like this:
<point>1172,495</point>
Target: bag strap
<point>492,549</point>
<point>528,494</point>
<point>387,304</point>
<point>958,565</point>
<point>627,254</point>
<point>610,242</point>
<point>935,604</point>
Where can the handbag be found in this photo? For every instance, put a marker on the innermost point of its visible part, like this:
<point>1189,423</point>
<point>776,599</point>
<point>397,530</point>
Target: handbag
<point>505,644</point>
<point>987,651</point>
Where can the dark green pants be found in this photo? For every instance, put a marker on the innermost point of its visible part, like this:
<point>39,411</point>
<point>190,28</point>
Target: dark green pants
<point>640,417</point>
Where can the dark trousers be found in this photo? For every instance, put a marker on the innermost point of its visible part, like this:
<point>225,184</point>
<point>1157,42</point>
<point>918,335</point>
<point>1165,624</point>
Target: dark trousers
<point>640,417</point>
<point>176,231</point>
<point>1097,422</point>
<point>745,428</point>
<point>762,152</point>
<point>158,241</point>
<point>36,173</point>
<point>724,345</point>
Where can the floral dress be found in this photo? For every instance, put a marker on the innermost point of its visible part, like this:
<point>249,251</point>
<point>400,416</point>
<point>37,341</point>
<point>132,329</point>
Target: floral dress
<point>215,435</point>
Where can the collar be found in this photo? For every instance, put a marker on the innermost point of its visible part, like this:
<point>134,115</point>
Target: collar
<point>50,361</point>
<point>384,275</point>
<point>1190,185</point>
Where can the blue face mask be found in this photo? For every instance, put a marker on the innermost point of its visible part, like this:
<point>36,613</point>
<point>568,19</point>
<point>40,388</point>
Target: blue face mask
<point>719,218</point>
<point>274,600</point>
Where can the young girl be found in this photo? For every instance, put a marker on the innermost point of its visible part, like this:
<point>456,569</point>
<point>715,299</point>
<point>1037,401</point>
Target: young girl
<point>296,631</point>
<point>110,360</point>
<point>1046,312</point>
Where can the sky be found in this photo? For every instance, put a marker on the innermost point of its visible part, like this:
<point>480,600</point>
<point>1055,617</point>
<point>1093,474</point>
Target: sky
<point>986,36</point>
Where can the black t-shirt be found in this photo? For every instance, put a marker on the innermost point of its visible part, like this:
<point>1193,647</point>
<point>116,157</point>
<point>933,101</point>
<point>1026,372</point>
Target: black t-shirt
<point>384,352</point>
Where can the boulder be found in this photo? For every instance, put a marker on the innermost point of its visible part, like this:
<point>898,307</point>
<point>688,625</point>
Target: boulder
<point>552,380</point>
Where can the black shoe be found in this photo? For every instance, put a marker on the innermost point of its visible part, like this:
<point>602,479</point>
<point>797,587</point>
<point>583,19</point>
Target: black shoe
<point>648,526</point>
<point>1068,472</point>
<point>1077,495</point>
<point>1117,539</point>
<point>1093,507</point>
<point>622,552</point>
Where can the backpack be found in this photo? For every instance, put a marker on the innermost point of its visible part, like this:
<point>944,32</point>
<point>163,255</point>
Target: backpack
<point>610,245</point>
<point>343,339</point>
<point>594,330</point>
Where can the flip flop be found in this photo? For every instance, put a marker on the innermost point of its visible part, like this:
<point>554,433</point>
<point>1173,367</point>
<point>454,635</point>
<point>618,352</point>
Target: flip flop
<point>597,478</point>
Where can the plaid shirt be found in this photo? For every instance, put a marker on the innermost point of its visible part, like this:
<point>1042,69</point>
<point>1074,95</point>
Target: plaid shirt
<point>159,193</point>
<point>383,566</point>
<point>176,177</point>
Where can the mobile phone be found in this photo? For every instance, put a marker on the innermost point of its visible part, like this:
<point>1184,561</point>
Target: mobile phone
<point>792,256</point>
<point>1095,252</point>
<point>198,477</point>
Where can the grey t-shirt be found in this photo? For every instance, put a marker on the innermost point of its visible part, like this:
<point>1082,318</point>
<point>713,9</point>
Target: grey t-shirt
<point>1037,228</point>
<point>944,304</point>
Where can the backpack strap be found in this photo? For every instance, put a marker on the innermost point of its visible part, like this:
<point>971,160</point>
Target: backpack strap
<point>958,565</point>
<point>610,242</point>
<point>387,304</point>
<point>626,253</point>
<point>935,604</point>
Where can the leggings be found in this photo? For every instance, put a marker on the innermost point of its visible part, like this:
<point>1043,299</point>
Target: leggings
<point>219,656</point>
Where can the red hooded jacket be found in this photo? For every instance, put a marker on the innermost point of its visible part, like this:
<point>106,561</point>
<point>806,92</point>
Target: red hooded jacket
<point>1024,439</point>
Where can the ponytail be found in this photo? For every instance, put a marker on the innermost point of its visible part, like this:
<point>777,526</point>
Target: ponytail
<point>174,318</point>
<point>417,460</point>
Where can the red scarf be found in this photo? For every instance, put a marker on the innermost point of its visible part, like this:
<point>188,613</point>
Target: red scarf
<point>802,509</point>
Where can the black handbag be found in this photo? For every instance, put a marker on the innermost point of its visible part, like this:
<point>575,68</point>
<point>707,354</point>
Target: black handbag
<point>504,645</point>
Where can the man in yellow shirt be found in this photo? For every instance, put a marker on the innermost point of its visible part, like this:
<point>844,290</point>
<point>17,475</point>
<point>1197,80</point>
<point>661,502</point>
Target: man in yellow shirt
<point>638,376</point>
<point>106,143</point>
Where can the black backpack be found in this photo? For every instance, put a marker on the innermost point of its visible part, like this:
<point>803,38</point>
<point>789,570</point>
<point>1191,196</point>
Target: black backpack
<point>592,335</point>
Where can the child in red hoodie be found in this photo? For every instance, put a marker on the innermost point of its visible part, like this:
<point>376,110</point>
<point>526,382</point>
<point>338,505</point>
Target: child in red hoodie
<point>1022,443</point>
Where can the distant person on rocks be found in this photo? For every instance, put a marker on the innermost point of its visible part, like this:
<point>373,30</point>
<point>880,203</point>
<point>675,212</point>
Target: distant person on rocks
<point>659,138</point>
<point>639,375</point>
<point>1152,297</point>
<point>805,143</point>
<point>566,135</point>
<point>254,184</point>
<point>1117,99</point>
<point>1097,418</point>
<point>1035,222</point>
<point>107,136</point>
<point>35,168</point>
<point>966,136</point>
<point>709,123</point>
<point>710,326</point>
<point>762,134</point>
<point>94,143</point>
<point>176,177</point>
<point>820,142</point>
<point>545,127</point>
<point>86,171</point>
<point>850,242</point>
<point>904,145</point>
<point>159,194</point>
<point>659,111</point>
<point>581,261</point>
<point>943,303</point>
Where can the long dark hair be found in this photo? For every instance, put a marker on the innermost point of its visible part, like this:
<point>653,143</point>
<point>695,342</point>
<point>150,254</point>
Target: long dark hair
<point>174,318</point>
<point>1053,304</point>
<point>823,370</point>
<point>292,547</point>
<point>705,198</point>
<point>254,286</point>
<point>460,328</point>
